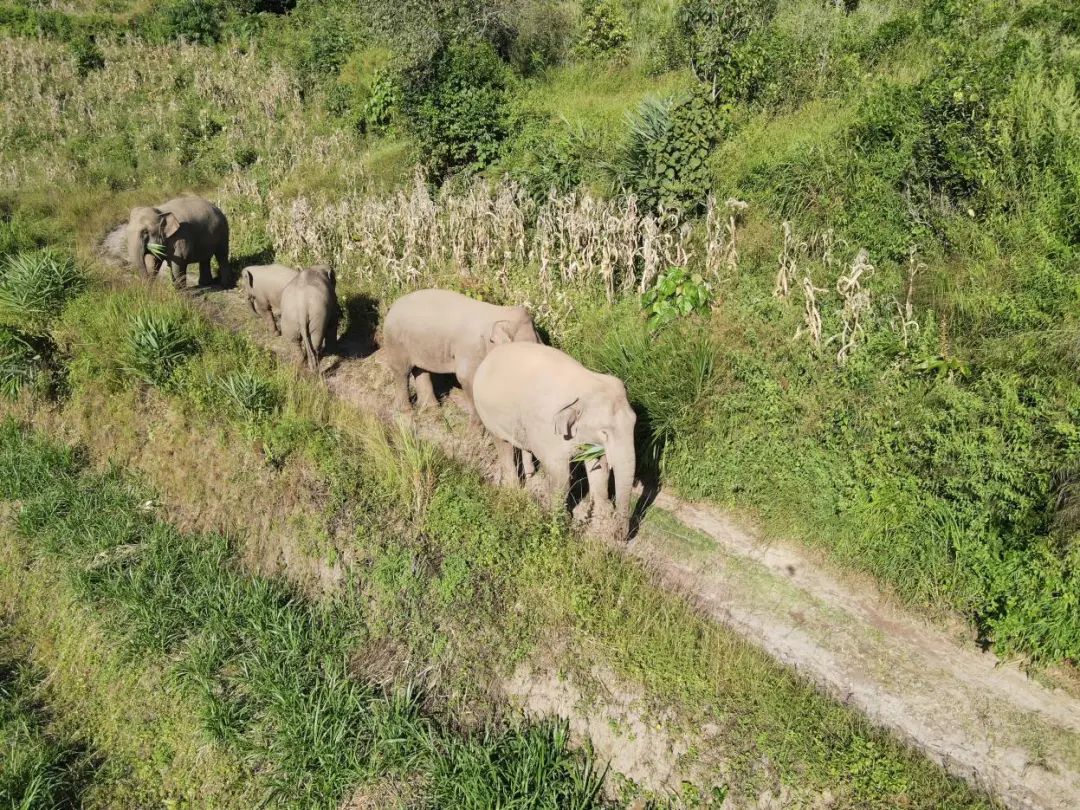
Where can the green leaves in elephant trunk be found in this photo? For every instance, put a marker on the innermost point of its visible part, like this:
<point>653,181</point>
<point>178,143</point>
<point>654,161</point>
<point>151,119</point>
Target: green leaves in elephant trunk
<point>589,452</point>
<point>156,249</point>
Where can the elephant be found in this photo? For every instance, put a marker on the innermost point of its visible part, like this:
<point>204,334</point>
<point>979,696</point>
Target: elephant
<point>538,399</point>
<point>263,286</point>
<point>444,332</point>
<point>186,230</point>
<point>310,313</point>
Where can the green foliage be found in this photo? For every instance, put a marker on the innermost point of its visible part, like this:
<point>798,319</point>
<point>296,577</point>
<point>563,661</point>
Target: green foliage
<point>457,106</point>
<point>668,374</point>
<point>40,769</point>
<point>678,292</point>
<point>156,344</point>
<point>191,20</point>
<point>604,28</point>
<point>25,361</point>
<point>34,287</point>
<point>250,394</point>
<point>87,55</point>
<point>269,670</point>
<point>664,158</point>
<point>725,41</point>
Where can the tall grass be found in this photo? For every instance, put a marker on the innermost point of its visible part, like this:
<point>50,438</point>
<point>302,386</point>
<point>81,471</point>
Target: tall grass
<point>34,287</point>
<point>270,670</point>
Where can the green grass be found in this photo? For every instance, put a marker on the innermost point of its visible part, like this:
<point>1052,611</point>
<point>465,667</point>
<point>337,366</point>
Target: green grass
<point>268,670</point>
<point>465,582</point>
<point>40,768</point>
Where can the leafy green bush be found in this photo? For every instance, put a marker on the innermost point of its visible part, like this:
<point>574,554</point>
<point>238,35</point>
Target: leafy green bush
<point>156,344</point>
<point>192,20</point>
<point>664,158</point>
<point>604,28</point>
<point>458,107</point>
<point>88,56</point>
<point>724,42</point>
<point>678,292</point>
<point>34,287</point>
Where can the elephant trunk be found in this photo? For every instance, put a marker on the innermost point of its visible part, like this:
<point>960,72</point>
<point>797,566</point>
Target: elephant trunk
<point>136,253</point>
<point>623,460</point>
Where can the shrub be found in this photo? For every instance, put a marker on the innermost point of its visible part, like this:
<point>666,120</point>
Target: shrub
<point>458,107</point>
<point>677,293</point>
<point>24,361</point>
<point>88,56</point>
<point>724,42</point>
<point>192,20</point>
<point>34,287</point>
<point>249,394</point>
<point>156,344</point>
<point>604,28</point>
<point>664,158</point>
<point>668,374</point>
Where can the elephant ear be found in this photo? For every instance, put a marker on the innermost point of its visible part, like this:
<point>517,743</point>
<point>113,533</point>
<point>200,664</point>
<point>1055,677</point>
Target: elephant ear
<point>501,332</point>
<point>249,279</point>
<point>566,418</point>
<point>169,223</point>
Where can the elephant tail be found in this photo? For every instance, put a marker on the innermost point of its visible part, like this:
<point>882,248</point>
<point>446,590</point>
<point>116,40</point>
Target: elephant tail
<point>309,347</point>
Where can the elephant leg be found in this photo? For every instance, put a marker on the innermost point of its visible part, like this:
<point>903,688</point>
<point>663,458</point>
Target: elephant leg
<point>425,391</point>
<point>599,473</point>
<point>465,370</point>
<point>528,464</point>
<point>205,276</point>
<point>179,274</point>
<point>224,270</point>
<point>508,475</point>
<point>557,472</point>
<point>268,315</point>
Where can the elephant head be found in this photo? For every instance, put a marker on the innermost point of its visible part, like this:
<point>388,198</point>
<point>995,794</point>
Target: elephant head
<point>149,229</point>
<point>603,416</point>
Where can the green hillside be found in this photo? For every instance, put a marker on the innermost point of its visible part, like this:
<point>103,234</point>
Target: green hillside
<point>833,248</point>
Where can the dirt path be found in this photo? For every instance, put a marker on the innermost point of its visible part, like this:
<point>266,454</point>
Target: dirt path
<point>983,719</point>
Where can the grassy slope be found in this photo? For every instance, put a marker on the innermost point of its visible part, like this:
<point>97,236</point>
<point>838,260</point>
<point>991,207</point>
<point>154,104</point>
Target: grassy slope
<point>458,581</point>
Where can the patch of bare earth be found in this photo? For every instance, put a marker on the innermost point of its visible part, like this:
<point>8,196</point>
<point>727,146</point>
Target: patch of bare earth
<point>982,718</point>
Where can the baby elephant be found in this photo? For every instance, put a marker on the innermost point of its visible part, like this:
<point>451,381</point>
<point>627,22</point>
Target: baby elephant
<point>536,398</point>
<point>181,232</point>
<point>309,313</point>
<point>444,332</point>
<point>263,286</point>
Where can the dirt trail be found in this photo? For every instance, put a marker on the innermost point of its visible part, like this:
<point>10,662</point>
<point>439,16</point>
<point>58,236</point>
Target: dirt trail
<point>983,719</point>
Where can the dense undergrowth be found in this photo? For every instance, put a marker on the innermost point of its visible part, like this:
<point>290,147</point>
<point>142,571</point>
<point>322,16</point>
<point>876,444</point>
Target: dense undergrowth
<point>914,414</point>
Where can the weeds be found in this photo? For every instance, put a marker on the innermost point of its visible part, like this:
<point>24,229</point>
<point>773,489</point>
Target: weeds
<point>156,344</point>
<point>34,287</point>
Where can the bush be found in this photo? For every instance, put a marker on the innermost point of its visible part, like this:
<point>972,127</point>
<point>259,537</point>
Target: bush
<point>664,158</point>
<point>34,287</point>
<point>724,42</point>
<point>677,293</point>
<point>604,28</point>
<point>192,20</point>
<point>88,56</point>
<point>24,361</point>
<point>156,344</point>
<point>458,108</point>
<point>250,395</point>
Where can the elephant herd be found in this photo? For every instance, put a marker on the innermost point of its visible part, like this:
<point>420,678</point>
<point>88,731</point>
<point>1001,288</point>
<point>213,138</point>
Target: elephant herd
<point>538,403</point>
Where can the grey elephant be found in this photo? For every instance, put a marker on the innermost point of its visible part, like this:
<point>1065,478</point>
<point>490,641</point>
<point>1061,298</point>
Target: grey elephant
<point>310,313</point>
<point>263,286</point>
<point>538,399</point>
<point>444,332</point>
<point>181,232</point>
